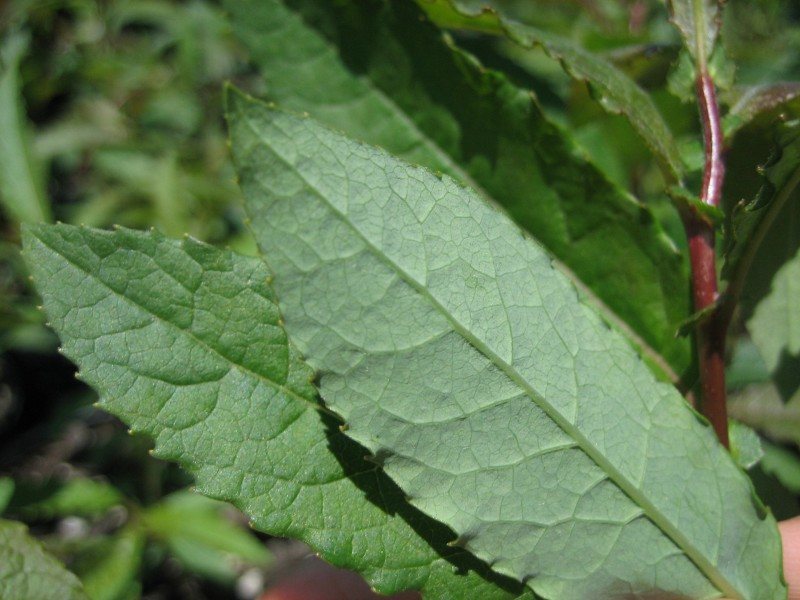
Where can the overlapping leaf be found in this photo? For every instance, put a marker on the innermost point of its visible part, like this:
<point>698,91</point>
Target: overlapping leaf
<point>499,403</point>
<point>613,89</point>
<point>28,571</point>
<point>183,342</point>
<point>384,75</point>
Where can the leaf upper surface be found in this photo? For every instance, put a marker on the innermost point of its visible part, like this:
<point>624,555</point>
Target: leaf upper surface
<point>27,571</point>
<point>502,406</point>
<point>183,342</point>
<point>382,74</point>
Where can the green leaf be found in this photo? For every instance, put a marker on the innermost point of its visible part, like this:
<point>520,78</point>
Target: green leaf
<point>699,24</point>
<point>383,75</point>
<point>746,447</point>
<point>21,174</point>
<point>770,217</point>
<point>763,408</point>
<point>499,403</point>
<point>782,464</point>
<point>198,534</point>
<point>80,496</point>
<point>183,342</point>
<point>109,569</point>
<point>6,492</point>
<point>775,324</point>
<point>28,571</point>
<point>750,103</point>
<point>611,87</point>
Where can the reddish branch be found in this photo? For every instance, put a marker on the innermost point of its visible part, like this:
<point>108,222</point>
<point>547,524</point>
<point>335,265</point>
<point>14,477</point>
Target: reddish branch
<point>711,332</point>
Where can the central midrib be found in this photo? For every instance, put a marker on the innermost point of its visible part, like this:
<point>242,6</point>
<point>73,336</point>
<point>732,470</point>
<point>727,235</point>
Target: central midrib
<point>650,510</point>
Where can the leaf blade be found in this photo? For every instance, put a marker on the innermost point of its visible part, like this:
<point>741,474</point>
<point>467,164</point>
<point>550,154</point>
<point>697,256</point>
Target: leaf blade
<point>378,297</point>
<point>183,342</point>
<point>615,91</point>
<point>423,99</point>
<point>27,571</point>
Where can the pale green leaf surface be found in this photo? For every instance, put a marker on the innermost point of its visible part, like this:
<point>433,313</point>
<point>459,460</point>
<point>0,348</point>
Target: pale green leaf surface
<point>613,89</point>
<point>183,342</point>
<point>763,407</point>
<point>501,405</point>
<point>27,571</point>
<point>745,444</point>
<point>775,324</point>
<point>384,75</point>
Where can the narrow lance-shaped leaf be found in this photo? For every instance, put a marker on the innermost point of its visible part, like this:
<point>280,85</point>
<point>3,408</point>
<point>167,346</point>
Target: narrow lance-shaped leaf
<point>28,571</point>
<point>495,399</point>
<point>183,343</point>
<point>613,89</point>
<point>21,177</point>
<point>383,74</point>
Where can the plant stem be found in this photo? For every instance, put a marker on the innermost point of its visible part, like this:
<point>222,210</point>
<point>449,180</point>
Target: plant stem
<point>711,333</point>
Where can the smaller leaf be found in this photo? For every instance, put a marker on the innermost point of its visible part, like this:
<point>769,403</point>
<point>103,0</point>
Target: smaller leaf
<point>783,464</point>
<point>612,88</point>
<point>762,408</point>
<point>81,497</point>
<point>775,324</point>
<point>751,220</point>
<point>197,532</point>
<point>6,491</point>
<point>746,446</point>
<point>28,571</point>
<point>750,103</point>
<point>699,24</point>
<point>21,175</point>
<point>110,568</point>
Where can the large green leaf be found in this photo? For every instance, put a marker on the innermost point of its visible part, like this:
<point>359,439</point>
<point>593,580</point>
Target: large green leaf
<point>613,89</point>
<point>499,403</point>
<point>27,571</point>
<point>183,342</point>
<point>385,76</point>
<point>21,175</point>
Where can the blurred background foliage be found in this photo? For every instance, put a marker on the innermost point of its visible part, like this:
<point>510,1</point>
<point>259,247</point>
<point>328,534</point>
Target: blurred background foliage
<point>110,113</point>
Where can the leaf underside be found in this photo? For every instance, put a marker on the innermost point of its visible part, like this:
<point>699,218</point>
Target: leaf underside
<point>382,74</point>
<point>499,403</point>
<point>183,343</point>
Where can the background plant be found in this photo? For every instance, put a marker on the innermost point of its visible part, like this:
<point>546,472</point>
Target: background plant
<point>140,165</point>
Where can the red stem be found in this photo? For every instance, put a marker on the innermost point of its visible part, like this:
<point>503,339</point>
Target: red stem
<point>711,333</point>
